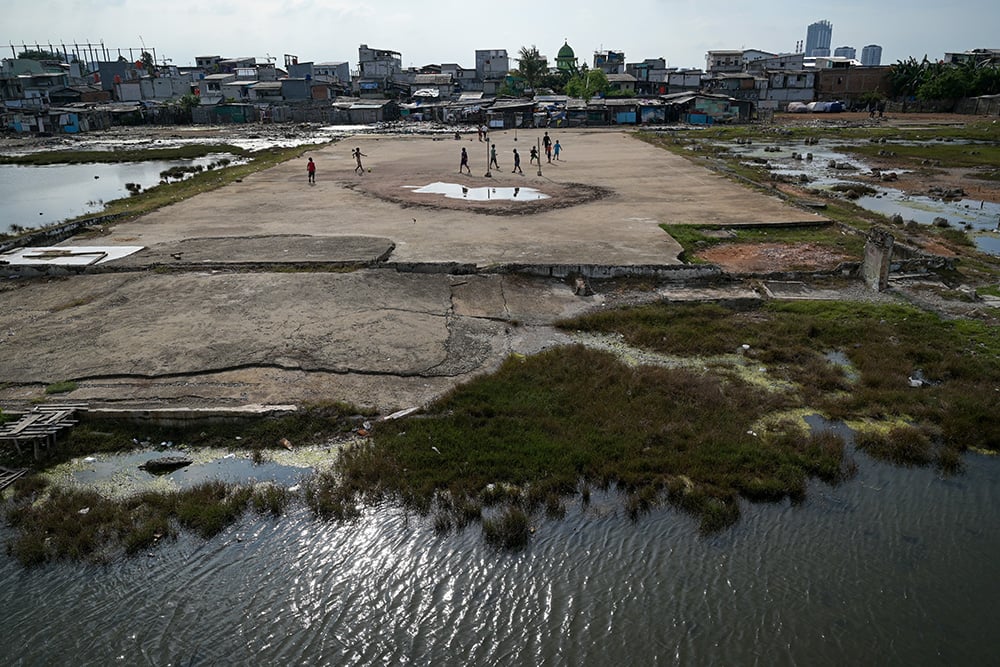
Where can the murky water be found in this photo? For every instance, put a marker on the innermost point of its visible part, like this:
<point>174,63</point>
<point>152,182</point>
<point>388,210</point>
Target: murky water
<point>896,566</point>
<point>34,196</point>
<point>981,219</point>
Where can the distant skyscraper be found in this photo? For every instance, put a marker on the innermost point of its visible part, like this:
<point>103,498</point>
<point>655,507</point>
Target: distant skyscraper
<point>871,55</point>
<point>818,38</point>
<point>845,52</point>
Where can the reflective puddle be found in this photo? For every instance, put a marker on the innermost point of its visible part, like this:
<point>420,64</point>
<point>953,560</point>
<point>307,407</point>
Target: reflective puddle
<point>459,191</point>
<point>120,474</point>
<point>980,219</point>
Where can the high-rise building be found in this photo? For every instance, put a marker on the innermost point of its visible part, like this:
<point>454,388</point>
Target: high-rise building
<point>871,55</point>
<point>818,38</point>
<point>845,52</point>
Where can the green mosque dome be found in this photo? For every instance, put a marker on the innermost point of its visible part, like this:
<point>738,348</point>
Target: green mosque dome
<point>566,60</point>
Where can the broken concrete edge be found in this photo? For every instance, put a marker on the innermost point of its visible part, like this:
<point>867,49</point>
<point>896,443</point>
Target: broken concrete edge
<point>179,413</point>
<point>59,231</point>
<point>675,272</point>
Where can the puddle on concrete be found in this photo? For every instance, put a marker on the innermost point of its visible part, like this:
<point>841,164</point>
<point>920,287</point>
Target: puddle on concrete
<point>459,191</point>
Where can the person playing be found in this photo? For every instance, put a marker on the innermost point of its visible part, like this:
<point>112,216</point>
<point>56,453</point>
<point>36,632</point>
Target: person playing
<point>533,155</point>
<point>357,156</point>
<point>311,170</point>
<point>517,163</point>
<point>464,164</point>
<point>493,156</point>
<point>556,148</point>
<point>547,145</point>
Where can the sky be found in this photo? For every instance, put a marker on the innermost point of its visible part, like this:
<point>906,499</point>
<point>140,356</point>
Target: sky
<point>446,31</point>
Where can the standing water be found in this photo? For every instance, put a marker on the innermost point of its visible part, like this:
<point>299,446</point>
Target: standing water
<point>895,566</point>
<point>34,196</point>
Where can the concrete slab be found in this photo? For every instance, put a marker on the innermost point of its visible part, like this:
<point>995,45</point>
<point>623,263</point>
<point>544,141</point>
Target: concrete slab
<point>235,325</point>
<point>275,249</point>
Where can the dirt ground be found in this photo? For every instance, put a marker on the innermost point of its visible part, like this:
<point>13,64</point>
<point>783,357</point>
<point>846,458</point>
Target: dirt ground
<point>765,258</point>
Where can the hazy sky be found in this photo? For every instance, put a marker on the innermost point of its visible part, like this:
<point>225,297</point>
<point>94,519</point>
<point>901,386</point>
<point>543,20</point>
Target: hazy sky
<point>681,31</point>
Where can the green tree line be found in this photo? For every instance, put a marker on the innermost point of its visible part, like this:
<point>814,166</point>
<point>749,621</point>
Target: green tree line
<point>926,80</point>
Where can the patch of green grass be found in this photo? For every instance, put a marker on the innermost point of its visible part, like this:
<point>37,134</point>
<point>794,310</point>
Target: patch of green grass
<point>63,387</point>
<point>988,175</point>
<point>947,154</point>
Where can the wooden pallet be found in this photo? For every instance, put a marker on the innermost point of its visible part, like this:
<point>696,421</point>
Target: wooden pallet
<point>40,426</point>
<point>9,476</point>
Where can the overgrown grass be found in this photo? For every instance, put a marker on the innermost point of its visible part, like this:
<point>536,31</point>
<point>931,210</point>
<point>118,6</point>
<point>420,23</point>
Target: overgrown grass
<point>309,426</point>
<point>526,437</point>
<point>554,425</point>
<point>886,345</point>
<point>72,524</point>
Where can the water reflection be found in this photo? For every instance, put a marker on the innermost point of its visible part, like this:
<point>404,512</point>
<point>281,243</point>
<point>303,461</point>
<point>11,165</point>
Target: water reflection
<point>34,196</point>
<point>458,191</point>
<point>894,566</point>
<point>981,217</point>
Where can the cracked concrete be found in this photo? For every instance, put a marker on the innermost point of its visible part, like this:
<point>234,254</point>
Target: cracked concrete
<point>260,293</point>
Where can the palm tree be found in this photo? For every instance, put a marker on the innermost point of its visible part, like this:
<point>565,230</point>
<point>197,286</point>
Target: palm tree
<point>532,66</point>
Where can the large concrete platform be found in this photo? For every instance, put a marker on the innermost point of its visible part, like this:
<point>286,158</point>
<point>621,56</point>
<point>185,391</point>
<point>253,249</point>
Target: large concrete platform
<point>265,301</point>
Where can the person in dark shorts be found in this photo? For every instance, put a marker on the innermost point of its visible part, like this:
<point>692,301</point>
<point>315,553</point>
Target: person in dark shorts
<point>464,164</point>
<point>517,163</point>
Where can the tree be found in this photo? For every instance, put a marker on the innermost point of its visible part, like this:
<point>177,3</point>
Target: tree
<point>34,54</point>
<point>587,84</point>
<point>148,63</point>
<point>531,66</point>
<point>950,83</point>
<point>905,77</point>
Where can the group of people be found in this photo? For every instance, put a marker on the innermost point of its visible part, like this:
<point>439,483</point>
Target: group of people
<point>552,150</point>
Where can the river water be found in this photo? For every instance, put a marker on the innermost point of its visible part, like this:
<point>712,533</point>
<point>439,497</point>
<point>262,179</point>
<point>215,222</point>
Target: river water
<point>894,567</point>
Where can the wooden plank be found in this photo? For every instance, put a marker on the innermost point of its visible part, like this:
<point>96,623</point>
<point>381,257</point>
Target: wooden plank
<point>24,423</point>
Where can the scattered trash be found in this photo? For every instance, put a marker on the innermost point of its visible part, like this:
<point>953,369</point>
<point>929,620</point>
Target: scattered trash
<point>229,456</point>
<point>293,489</point>
<point>435,449</point>
<point>84,510</point>
<point>286,444</point>
<point>90,459</point>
